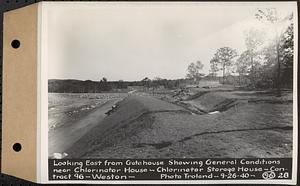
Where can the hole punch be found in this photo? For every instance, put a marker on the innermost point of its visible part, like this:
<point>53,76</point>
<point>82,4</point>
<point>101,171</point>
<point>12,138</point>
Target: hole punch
<point>17,147</point>
<point>15,43</point>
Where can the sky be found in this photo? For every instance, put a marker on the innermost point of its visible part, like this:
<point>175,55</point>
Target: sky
<point>131,41</point>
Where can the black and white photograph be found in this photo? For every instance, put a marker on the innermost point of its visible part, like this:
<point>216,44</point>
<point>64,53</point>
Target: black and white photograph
<point>171,80</point>
<point>142,92</point>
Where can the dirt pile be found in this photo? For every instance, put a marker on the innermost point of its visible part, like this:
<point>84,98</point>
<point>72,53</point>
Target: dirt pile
<point>252,130</point>
<point>145,127</point>
<point>223,100</point>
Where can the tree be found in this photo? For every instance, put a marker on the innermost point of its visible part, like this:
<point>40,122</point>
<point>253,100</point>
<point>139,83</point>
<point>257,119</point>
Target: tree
<point>224,57</point>
<point>193,71</point>
<point>103,84</point>
<point>121,84</point>
<point>287,54</point>
<point>146,82</point>
<point>254,39</point>
<point>269,69</point>
<point>242,65</point>
<point>214,66</point>
<point>270,16</point>
<point>249,60</point>
<point>104,79</point>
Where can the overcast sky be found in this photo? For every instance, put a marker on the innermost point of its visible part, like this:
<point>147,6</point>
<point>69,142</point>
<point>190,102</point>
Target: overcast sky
<point>132,41</point>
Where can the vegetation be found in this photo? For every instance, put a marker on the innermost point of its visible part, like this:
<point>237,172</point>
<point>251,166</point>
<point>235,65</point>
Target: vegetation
<point>88,86</point>
<point>194,71</point>
<point>224,58</point>
<point>263,64</point>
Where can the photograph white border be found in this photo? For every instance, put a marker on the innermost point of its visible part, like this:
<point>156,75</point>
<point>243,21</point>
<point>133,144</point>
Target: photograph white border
<point>42,119</point>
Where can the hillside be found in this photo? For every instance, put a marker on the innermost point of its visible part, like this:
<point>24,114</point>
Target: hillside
<point>146,127</point>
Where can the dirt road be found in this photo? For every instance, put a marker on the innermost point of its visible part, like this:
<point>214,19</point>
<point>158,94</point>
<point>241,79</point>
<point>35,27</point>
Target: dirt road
<point>65,136</point>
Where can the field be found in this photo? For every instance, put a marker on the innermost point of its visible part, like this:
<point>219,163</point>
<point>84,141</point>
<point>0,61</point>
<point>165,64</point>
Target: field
<point>193,122</point>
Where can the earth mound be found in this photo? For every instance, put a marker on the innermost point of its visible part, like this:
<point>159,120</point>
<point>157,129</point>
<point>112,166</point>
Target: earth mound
<point>130,116</point>
<point>142,126</point>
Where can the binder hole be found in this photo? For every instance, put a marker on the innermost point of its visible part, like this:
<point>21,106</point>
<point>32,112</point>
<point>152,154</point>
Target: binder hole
<point>17,147</point>
<point>15,43</point>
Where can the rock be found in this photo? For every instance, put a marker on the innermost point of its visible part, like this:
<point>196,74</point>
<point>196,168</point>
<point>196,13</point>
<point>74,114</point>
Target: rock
<point>214,112</point>
<point>58,155</point>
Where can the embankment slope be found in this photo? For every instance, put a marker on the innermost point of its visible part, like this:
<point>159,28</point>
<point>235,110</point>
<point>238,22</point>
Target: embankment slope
<point>146,127</point>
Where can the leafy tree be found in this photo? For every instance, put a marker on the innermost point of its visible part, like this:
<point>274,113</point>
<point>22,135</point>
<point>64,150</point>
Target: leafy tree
<point>103,84</point>
<point>104,79</point>
<point>193,70</point>
<point>214,66</point>
<point>242,65</point>
<point>224,57</point>
<point>146,82</point>
<point>270,16</point>
<point>146,79</point>
<point>121,84</point>
<point>287,54</point>
<point>248,61</point>
<point>267,73</point>
<point>254,39</point>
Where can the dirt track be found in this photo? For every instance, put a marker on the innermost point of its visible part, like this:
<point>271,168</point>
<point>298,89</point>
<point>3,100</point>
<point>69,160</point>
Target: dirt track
<point>146,127</point>
<point>65,136</point>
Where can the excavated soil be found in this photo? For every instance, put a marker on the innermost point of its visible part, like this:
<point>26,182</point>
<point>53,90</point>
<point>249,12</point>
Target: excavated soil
<point>245,125</point>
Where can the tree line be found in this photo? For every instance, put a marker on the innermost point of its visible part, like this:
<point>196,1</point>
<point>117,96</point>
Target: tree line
<point>103,85</point>
<point>264,64</point>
